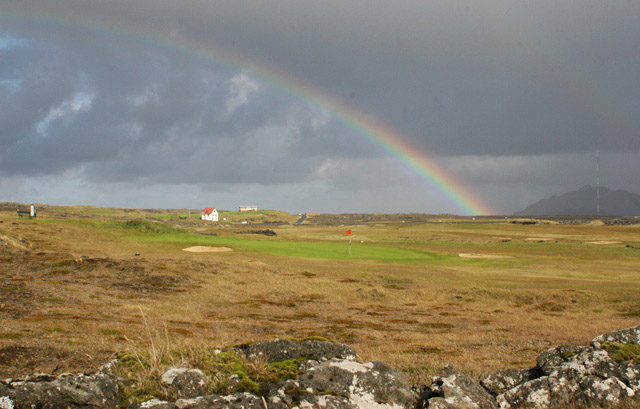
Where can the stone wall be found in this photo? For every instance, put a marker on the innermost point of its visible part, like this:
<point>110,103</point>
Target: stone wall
<point>605,373</point>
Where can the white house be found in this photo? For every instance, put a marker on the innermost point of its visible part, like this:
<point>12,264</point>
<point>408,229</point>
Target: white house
<point>210,213</point>
<point>248,208</point>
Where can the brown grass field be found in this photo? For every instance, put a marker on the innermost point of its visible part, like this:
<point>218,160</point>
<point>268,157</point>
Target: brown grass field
<point>73,292</point>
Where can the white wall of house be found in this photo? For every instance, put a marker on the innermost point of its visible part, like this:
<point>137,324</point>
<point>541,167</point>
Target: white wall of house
<point>213,217</point>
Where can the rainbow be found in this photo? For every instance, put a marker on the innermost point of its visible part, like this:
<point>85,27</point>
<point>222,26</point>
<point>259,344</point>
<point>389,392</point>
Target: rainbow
<point>427,168</point>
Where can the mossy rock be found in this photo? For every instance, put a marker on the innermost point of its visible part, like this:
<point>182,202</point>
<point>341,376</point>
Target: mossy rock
<point>623,352</point>
<point>247,384</point>
<point>284,370</point>
<point>229,371</point>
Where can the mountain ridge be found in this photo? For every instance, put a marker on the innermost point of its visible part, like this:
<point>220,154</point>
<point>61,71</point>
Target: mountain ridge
<point>583,202</point>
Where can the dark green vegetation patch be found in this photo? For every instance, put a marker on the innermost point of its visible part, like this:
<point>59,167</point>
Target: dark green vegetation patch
<point>623,352</point>
<point>150,227</point>
<point>228,372</point>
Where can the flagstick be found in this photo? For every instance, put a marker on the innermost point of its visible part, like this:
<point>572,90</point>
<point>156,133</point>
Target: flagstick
<point>349,245</point>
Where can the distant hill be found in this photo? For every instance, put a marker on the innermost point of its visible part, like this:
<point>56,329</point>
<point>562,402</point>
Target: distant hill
<point>582,202</point>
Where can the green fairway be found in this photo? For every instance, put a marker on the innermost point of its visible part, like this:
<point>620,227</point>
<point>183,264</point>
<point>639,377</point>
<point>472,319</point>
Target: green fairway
<point>304,249</point>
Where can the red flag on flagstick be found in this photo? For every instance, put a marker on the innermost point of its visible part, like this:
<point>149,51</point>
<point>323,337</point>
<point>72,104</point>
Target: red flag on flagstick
<point>348,232</point>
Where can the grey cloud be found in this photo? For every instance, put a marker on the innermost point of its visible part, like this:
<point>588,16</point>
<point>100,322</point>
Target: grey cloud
<point>511,183</point>
<point>525,78</point>
<point>151,116</point>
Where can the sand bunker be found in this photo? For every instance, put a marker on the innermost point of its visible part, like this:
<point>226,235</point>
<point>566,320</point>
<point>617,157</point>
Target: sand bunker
<point>539,239</point>
<point>206,249</point>
<point>603,242</point>
<point>474,255</point>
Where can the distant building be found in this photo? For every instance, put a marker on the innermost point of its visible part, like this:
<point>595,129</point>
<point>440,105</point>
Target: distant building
<point>248,208</point>
<point>210,213</point>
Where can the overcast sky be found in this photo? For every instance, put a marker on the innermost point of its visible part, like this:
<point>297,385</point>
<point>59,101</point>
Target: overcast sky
<point>143,103</point>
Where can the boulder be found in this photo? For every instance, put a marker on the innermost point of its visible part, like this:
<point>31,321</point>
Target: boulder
<point>188,383</point>
<point>95,391</point>
<point>501,381</point>
<point>597,362</point>
<point>563,388</point>
<point>590,377</point>
<point>329,377</point>
<point>532,394</point>
<point>460,391</point>
<point>554,357</point>
<point>625,336</point>
<point>154,404</point>
<point>309,401</point>
<point>369,385</point>
<point>609,391</point>
<point>274,351</point>
<point>322,350</point>
<point>440,403</point>
<point>235,401</point>
<point>6,403</point>
<point>284,349</point>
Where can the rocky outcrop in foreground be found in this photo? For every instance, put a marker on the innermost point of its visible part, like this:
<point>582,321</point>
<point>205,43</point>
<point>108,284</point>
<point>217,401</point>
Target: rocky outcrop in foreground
<point>328,376</point>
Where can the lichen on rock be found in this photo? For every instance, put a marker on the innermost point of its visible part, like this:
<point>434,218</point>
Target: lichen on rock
<point>289,374</point>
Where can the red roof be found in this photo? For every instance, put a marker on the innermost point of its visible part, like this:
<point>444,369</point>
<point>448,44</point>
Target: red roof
<point>208,210</point>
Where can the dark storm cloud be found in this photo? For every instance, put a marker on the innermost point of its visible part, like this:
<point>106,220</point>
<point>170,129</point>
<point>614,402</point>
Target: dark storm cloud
<point>457,78</point>
<point>499,90</point>
<point>495,77</point>
<point>130,112</point>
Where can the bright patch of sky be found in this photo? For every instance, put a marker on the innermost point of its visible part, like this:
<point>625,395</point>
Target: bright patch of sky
<point>150,94</point>
<point>13,85</point>
<point>322,118</point>
<point>8,42</point>
<point>81,102</point>
<point>241,87</point>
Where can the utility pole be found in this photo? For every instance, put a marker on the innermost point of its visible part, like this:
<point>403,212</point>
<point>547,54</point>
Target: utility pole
<point>598,179</point>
